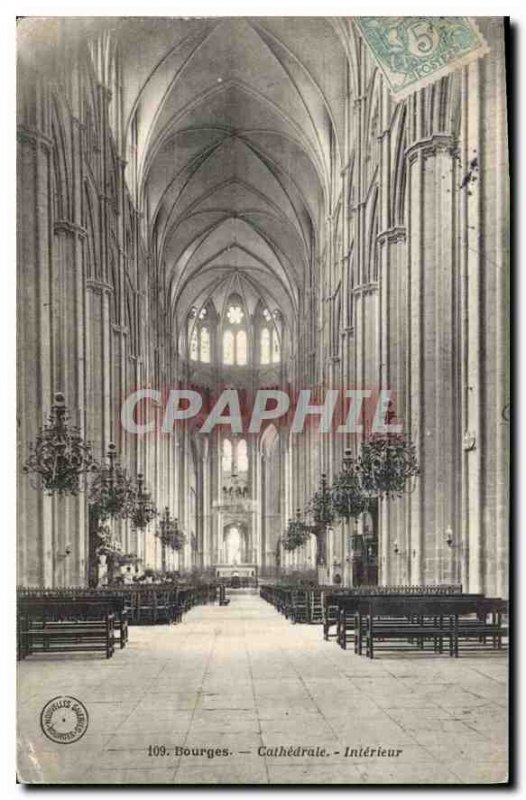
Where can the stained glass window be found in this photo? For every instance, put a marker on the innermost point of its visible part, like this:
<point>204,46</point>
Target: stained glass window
<point>235,315</point>
<point>205,346</point>
<point>265,346</point>
<point>227,457</point>
<point>276,354</point>
<point>194,345</point>
<point>242,456</point>
<point>228,347</point>
<point>241,348</point>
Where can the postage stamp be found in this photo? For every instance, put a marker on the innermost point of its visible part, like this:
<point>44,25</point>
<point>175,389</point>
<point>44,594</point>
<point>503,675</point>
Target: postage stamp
<point>415,51</point>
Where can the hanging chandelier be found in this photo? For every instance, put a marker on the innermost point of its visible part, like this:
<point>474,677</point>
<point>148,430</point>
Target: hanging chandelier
<point>144,510</point>
<point>386,464</point>
<point>59,456</point>
<point>178,538</point>
<point>297,532</point>
<point>112,493</point>
<point>348,498</point>
<point>169,533</point>
<point>321,506</point>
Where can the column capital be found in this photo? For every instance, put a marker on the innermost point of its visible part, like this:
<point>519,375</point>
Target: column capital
<point>71,228</point>
<point>366,288</point>
<point>100,287</point>
<point>431,145</point>
<point>396,234</point>
<point>33,136</point>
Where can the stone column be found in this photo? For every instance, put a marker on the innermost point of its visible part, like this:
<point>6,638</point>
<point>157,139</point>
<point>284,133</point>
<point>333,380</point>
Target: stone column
<point>68,324</point>
<point>393,301</point>
<point>433,398</point>
<point>35,386</point>
<point>484,247</point>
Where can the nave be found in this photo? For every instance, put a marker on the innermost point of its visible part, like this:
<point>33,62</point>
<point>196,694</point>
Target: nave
<point>263,341</point>
<point>242,677</point>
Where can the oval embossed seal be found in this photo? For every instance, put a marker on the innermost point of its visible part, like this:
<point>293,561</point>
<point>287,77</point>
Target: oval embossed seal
<point>64,719</point>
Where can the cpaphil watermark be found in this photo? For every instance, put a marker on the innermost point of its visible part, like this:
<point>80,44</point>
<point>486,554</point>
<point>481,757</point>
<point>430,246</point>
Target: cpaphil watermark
<point>343,411</point>
<point>64,719</point>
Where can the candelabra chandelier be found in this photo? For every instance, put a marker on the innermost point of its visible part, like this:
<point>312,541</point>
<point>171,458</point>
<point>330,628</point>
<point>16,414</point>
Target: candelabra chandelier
<point>348,498</point>
<point>321,506</point>
<point>386,464</point>
<point>112,494</point>
<point>297,532</point>
<point>169,532</point>
<point>59,456</point>
<point>178,538</point>
<point>144,510</point>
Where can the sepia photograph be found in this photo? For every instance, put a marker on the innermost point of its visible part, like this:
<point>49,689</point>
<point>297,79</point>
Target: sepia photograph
<point>263,400</point>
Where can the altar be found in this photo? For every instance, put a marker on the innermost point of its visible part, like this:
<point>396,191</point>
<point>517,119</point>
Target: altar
<point>236,570</point>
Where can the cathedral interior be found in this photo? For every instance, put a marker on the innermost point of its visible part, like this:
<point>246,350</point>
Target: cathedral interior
<point>239,204</point>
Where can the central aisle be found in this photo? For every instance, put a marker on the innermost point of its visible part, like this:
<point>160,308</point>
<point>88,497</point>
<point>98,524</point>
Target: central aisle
<point>242,678</point>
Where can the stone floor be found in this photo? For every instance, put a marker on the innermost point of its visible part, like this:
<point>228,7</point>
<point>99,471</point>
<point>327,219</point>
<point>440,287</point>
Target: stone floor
<point>242,678</point>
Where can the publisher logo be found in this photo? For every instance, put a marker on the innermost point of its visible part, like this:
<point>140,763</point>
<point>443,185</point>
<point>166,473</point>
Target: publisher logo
<point>64,719</point>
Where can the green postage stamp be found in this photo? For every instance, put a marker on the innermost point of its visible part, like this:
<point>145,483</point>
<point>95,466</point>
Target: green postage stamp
<point>415,51</point>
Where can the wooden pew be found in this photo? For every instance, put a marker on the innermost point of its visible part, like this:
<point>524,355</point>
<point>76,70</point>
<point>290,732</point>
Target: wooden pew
<point>344,604</point>
<point>416,620</point>
<point>73,595</point>
<point>48,625</point>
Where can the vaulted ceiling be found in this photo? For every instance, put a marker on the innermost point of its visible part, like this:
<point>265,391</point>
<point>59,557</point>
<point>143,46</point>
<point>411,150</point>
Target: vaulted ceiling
<point>234,126</point>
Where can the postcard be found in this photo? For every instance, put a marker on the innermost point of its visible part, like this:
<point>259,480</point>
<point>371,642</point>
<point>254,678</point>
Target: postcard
<point>263,400</point>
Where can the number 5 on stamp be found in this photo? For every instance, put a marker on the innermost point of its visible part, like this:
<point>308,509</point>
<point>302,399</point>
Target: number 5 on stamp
<point>415,51</point>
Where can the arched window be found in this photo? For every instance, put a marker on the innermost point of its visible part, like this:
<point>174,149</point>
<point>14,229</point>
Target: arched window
<point>228,347</point>
<point>265,346</point>
<point>235,338</point>
<point>241,348</point>
<point>204,352</point>
<point>269,336</point>
<point>276,350</point>
<point>242,456</point>
<point>226,461</point>
<point>194,345</point>
<point>200,334</point>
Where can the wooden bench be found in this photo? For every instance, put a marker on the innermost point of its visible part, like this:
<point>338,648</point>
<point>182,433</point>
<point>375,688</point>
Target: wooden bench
<point>487,624</point>
<point>74,626</point>
<point>342,605</point>
<point>95,599</point>
<point>417,620</point>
